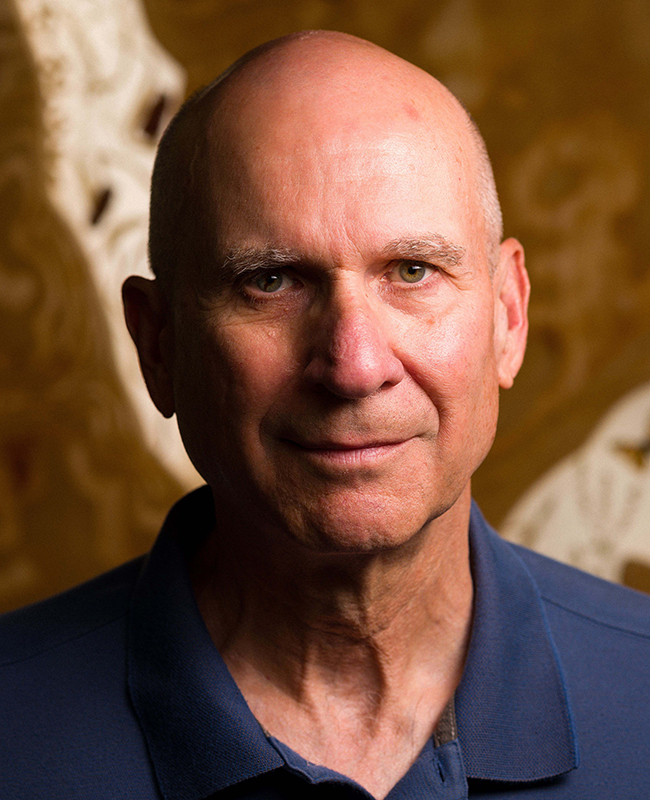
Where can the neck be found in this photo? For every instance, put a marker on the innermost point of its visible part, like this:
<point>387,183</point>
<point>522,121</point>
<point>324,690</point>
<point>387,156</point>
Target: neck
<point>374,644</point>
<point>302,617</point>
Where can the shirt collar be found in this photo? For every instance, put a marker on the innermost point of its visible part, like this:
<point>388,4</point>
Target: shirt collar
<point>513,715</point>
<point>200,732</point>
<point>512,708</point>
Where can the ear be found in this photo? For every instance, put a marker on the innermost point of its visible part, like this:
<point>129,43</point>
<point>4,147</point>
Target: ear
<point>512,289</point>
<point>149,322</point>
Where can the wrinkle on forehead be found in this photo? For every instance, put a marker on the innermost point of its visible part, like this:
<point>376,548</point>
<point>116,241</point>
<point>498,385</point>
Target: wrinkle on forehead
<point>316,88</point>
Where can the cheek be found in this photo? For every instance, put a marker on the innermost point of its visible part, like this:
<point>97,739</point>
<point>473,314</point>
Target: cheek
<point>455,365</point>
<point>256,366</point>
<point>230,375</point>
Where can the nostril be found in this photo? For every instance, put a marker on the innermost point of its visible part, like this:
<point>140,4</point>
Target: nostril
<point>354,370</point>
<point>352,353</point>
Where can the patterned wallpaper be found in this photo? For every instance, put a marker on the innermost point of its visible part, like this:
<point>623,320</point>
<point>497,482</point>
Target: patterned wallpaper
<point>560,91</point>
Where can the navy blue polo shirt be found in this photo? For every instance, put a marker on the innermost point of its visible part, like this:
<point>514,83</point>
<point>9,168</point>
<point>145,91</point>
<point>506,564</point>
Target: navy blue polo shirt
<point>115,690</point>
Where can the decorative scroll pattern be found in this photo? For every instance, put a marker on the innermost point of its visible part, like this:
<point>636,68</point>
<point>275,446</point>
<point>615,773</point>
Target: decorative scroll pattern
<point>79,492</point>
<point>592,509</point>
<point>107,88</point>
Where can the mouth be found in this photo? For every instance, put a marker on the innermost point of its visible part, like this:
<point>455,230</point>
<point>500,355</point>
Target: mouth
<point>348,454</point>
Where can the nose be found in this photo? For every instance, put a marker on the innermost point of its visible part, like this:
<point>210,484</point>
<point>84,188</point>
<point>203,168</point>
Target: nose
<point>351,354</point>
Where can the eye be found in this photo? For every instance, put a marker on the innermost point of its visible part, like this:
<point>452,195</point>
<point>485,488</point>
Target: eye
<point>411,271</point>
<point>272,282</point>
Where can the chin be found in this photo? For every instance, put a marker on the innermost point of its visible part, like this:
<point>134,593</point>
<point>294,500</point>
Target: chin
<point>359,523</point>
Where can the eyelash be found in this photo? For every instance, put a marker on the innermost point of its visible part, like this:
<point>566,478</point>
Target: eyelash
<point>257,296</point>
<point>246,284</point>
<point>430,268</point>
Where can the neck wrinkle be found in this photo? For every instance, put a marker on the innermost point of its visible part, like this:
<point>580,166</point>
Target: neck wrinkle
<point>346,627</point>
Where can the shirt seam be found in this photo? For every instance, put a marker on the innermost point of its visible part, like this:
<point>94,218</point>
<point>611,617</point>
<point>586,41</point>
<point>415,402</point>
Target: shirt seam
<point>594,619</point>
<point>64,641</point>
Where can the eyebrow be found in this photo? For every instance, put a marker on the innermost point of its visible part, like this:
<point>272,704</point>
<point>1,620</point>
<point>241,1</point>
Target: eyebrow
<point>240,262</point>
<point>434,248</point>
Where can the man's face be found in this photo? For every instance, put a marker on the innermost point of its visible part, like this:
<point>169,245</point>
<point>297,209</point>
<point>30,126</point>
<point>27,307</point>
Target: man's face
<point>336,370</point>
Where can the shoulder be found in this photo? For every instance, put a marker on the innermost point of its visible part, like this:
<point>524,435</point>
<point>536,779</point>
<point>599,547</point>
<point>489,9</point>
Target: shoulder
<point>39,628</point>
<point>576,594</point>
<point>68,729</point>
<point>601,635</point>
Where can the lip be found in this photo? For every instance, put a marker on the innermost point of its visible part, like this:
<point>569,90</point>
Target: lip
<point>346,446</point>
<point>350,454</point>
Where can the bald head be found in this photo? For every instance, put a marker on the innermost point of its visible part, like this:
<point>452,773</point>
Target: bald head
<point>318,87</point>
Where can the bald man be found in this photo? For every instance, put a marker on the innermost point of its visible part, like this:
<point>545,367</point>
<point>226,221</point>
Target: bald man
<point>332,315</point>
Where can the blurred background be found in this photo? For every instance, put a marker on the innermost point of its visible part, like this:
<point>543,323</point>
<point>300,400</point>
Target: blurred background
<point>560,90</point>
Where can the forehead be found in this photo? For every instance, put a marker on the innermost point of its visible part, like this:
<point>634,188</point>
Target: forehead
<point>325,158</point>
<point>356,193</point>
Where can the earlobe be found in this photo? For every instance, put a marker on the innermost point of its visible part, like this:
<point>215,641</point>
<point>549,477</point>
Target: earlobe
<point>148,320</point>
<point>512,289</point>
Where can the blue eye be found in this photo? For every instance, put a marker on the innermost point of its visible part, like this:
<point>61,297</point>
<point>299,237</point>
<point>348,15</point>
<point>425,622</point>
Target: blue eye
<point>412,271</point>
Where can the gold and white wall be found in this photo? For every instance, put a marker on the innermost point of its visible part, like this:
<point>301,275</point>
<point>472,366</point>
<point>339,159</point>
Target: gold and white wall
<point>561,92</point>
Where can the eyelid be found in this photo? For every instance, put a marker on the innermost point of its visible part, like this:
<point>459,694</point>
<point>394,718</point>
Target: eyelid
<point>393,271</point>
<point>247,281</point>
